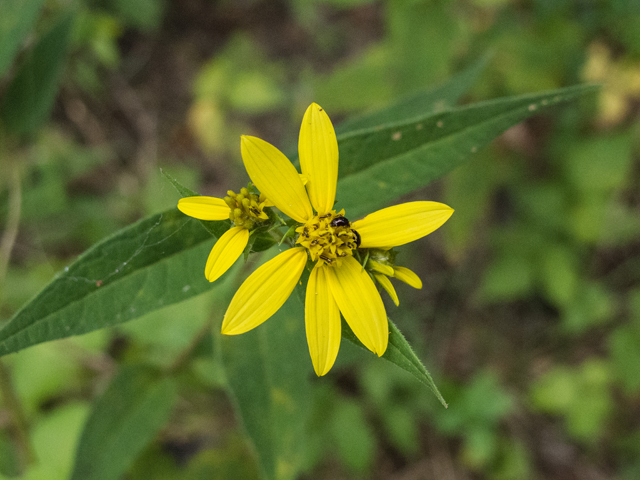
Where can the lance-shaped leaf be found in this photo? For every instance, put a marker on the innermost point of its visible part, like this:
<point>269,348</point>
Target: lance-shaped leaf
<point>30,95</point>
<point>380,164</point>
<point>123,421</point>
<point>268,371</point>
<point>400,353</point>
<point>17,18</point>
<point>159,260</point>
<point>152,263</point>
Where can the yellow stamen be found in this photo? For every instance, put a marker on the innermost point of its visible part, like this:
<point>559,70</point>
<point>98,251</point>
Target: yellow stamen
<point>328,238</point>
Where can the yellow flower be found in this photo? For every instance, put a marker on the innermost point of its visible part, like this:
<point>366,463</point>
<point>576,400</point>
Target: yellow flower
<point>338,283</point>
<point>244,210</point>
<point>381,263</point>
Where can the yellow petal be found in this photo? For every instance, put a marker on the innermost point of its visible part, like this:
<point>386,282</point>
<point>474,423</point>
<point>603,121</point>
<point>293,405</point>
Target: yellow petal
<point>400,224</point>
<point>378,267</point>
<point>204,208</point>
<point>322,319</point>
<point>360,304</point>
<point>276,177</point>
<point>407,276</point>
<point>318,150</point>
<point>264,292</point>
<point>225,252</point>
<point>386,284</point>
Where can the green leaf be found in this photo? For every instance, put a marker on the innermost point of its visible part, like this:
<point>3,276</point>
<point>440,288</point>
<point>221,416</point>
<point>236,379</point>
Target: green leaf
<point>380,164</point>
<point>159,260</point>
<point>419,104</point>
<point>17,18</point>
<point>30,95</point>
<point>148,265</point>
<point>268,371</point>
<point>123,421</point>
<point>401,354</point>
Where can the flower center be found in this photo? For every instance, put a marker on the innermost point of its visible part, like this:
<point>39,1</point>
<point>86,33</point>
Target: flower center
<point>246,208</point>
<point>328,238</point>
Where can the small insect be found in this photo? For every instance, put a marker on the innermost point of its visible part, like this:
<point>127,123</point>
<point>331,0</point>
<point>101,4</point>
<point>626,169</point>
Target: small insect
<point>325,216</point>
<point>358,239</point>
<point>340,222</point>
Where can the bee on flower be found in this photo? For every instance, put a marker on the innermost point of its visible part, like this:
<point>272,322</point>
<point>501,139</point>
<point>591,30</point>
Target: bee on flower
<point>326,240</point>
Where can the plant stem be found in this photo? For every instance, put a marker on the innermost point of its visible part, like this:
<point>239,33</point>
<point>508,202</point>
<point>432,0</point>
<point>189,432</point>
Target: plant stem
<point>13,222</point>
<point>9,396</point>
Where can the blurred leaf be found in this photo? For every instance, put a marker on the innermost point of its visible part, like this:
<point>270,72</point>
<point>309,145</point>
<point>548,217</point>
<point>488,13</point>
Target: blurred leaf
<point>380,164</point>
<point>417,105</point>
<point>55,438</point>
<point>593,305</point>
<point>354,439</point>
<point>358,83</point>
<point>42,374</point>
<point>17,18</point>
<point>508,277</point>
<point>600,163</point>
<point>230,461</point>
<point>9,456</point>
<point>480,446</point>
<point>624,349</point>
<point>123,421</point>
<point>30,95</point>
<point>558,270</point>
<point>143,14</point>
<point>580,394</point>
<point>480,405</point>
<point>402,429</point>
<point>268,373</point>
<point>400,353</point>
<point>422,38</point>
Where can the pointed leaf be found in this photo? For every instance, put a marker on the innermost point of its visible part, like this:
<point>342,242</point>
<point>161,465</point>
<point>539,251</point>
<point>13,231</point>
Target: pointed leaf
<point>400,353</point>
<point>380,164</point>
<point>123,421</point>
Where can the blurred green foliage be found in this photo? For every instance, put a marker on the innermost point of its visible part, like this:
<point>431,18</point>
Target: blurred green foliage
<point>530,311</point>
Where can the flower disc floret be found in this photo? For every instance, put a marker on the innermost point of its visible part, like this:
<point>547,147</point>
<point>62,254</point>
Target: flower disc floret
<point>246,208</point>
<point>328,238</point>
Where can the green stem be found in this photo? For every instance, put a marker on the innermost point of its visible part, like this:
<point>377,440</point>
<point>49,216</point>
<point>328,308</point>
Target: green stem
<point>7,242</point>
<point>13,222</point>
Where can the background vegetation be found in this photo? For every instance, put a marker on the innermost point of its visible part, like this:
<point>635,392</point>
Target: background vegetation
<point>529,318</point>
